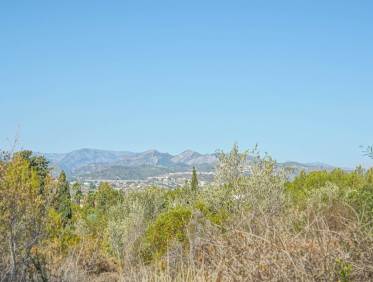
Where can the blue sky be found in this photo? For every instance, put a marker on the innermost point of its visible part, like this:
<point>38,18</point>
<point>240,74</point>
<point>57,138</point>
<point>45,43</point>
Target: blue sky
<point>296,77</point>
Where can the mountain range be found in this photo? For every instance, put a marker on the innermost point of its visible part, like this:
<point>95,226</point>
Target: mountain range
<point>103,164</point>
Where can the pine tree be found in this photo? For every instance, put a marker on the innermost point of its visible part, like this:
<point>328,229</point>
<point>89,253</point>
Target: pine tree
<point>194,181</point>
<point>63,201</point>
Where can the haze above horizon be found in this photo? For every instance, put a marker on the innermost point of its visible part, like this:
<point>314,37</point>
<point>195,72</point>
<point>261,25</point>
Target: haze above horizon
<point>294,77</point>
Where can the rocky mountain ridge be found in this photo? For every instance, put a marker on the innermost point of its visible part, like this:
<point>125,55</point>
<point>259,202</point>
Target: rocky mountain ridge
<point>90,163</point>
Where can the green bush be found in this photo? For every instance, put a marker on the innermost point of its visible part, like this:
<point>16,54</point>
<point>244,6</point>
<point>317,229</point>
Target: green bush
<point>182,196</point>
<point>362,201</point>
<point>306,184</point>
<point>216,216</point>
<point>152,201</point>
<point>106,197</point>
<point>168,227</point>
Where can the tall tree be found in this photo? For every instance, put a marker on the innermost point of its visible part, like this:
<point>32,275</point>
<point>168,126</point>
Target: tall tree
<point>23,216</point>
<point>63,199</point>
<point>194,181</point>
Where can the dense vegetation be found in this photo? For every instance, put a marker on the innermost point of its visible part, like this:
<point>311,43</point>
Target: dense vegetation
<point>252,224</point>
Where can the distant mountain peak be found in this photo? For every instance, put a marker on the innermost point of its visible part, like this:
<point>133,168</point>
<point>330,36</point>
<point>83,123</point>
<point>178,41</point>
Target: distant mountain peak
<point>189,152</point>
<point>190,158</point>
<point>88,161</point>
<point>151,152</point>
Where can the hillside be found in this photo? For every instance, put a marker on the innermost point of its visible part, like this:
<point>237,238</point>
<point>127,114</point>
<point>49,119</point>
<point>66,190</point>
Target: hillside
<point>125,165</point>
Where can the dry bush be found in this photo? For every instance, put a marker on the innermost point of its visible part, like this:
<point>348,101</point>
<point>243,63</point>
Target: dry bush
<point>262,248</point>
<point>125,232</point>
<point>86,262</point>
<point>308,245</point>
<point>268,249</point>
<point>323,242</point>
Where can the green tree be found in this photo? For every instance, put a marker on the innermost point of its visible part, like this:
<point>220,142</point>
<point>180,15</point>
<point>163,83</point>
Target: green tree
<point>89,199</point>
<point>106,197</point>
<point>77,192</point>
<point>39,163</point>
<point>23,217</point>
<point>63,199</point>
<point>194,181</point>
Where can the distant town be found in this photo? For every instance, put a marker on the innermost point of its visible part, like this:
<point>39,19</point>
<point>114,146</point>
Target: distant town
<point>169,180</point>
<point>129,170</point>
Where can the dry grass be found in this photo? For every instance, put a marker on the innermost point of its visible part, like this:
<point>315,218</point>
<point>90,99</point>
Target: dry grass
<point>260,247</point>
<point>323,241</point>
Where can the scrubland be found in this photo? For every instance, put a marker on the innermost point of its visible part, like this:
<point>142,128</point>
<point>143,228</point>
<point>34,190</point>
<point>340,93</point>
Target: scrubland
<point>253,223</point>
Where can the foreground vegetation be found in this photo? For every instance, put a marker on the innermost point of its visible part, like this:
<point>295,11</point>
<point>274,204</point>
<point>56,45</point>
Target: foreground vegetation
<point>252,224</point>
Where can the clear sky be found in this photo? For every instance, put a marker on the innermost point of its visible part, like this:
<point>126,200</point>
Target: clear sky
<point>296,77</point>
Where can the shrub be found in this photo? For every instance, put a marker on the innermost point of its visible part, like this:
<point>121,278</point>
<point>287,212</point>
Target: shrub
<point>362,201</point>
<point>168,227</point>
<point>125,230</point>
<point>306,183</point>
<point>215,215</point>
<point>106,197</point>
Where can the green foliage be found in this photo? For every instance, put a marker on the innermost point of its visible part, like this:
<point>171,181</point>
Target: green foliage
<point>106,197</point>
<point>182,196</point>
<point>216,215</point>
<point>60,236</point>
<point>63,200</point>
<point>354,189</point>
<point>77,193</point>
<point>168,227</point>
<point>305,183</point>
<point>153,200</point>
<point>124,229</point>
<point>231,166</point>
<point>89,199</point>
<point>194,181</point>
<point>344,270</point>
<point>23,216</point>
<point>362,201</point>
<point>39,163</point>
